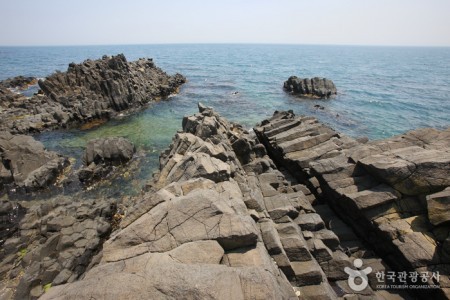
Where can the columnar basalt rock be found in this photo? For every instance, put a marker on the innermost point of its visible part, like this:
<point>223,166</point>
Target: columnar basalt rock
<point>219,221</point>
<point>390,191</point>
<point>92,90</point>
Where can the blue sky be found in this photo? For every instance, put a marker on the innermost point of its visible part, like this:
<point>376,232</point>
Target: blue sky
<point>342,22</point>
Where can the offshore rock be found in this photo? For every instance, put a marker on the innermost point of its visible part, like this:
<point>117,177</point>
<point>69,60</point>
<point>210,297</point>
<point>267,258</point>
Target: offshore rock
<point>26,164</point>
<point>310,87</point>
<point>102,155</point>
<point>92,90</point>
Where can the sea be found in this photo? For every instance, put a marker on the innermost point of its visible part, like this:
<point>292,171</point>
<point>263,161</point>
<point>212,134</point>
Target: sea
<point>382,91</point>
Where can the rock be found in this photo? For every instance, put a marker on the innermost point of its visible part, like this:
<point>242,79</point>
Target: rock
<point>90,91</point>
<point>219,220</point>
<point>310,222</point>
<point>206,252</point>
<point>102,154</point>
<point>307,273</point>
<point>391,192</point>
<point>192,235</point>
<point>270,237</point>
<point>25,163</point>
<point>203,214</point>
<point>141,277</point>
<point>439,207</point>
<point>293,242</point>
<point>313,88</point>
<point>334,268</point>
<point>411,170</point>
<point>115,151</point>
<point>19,82</point>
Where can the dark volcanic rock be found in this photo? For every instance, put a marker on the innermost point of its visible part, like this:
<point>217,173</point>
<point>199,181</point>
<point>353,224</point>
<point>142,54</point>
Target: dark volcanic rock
<point>92,90</point>
<point>101,155</point>
<point>25,163</point>
<point>54,243</point>
<point>313,88</point>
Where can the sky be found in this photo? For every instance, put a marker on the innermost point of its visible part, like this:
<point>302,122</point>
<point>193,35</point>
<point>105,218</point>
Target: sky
<point>335,22</point>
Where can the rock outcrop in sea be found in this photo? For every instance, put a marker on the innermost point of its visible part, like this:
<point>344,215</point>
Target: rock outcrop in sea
<point>310,87</point>
<point>91,91</point>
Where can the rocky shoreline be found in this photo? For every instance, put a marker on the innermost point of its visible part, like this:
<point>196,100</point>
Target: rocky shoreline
<point>91,91</point>
<point>222,220</point>
<point>282,211</point>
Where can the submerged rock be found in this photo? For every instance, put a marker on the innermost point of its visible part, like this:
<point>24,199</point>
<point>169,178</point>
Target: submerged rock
<point>92,90</point>
<point>310,87</point>
<point>102,155</point>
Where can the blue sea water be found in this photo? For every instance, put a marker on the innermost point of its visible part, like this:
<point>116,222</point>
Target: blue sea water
<point>382,91</point>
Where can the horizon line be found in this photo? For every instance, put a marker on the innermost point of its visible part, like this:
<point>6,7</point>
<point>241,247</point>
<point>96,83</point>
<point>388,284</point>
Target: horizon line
<point>228,43</point>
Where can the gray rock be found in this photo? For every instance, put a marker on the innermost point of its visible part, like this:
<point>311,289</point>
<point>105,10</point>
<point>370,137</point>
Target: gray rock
<point>315,87</point>
<point>102,154</point>
<point>439,207</point>
<point>204,212</point>
<point>270,237</point>
<point>411,170</point>
<point>140,278</point>
<point>27,164</point>
<point>310,222</point>
<point>86,93</point>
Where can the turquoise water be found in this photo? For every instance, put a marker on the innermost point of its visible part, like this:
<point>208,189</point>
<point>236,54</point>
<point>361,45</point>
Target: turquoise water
<point>383,91</point>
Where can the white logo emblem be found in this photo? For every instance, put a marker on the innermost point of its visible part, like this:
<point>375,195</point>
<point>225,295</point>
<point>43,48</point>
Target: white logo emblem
<point>353,274</point>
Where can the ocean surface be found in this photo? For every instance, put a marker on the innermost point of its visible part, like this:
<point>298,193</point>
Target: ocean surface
<point>382,91</point>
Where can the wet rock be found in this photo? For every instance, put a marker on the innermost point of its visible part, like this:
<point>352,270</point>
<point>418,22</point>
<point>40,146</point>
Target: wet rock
<point>313,88</point>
